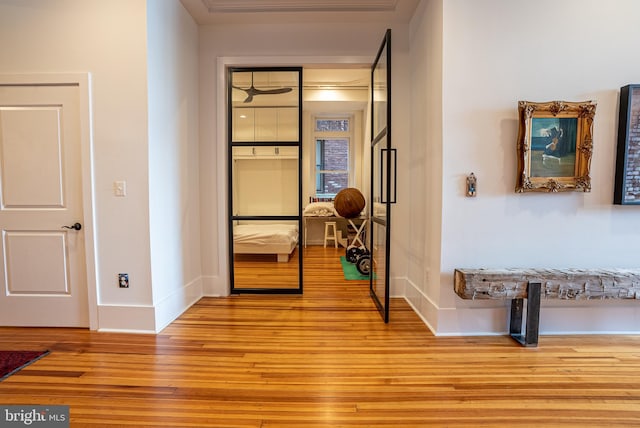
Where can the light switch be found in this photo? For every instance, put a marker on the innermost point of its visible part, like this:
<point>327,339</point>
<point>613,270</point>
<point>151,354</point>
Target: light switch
<point>120,188</point>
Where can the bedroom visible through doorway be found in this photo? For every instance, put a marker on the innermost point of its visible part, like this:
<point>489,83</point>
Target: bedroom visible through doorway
<point>264,146</point>
<point>335,155</point>
<point>273,177</point>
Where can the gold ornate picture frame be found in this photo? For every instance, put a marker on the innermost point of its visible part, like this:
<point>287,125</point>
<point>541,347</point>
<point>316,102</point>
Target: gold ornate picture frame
<point>555,143</point>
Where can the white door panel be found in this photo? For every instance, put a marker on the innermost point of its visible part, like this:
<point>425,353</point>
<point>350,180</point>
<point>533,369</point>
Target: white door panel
<point>31,157</point>
<point>42,269</point>
<point>47,251</point>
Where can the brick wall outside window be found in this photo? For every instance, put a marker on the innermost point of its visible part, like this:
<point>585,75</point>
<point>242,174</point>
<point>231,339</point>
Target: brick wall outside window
<point>336,158</point>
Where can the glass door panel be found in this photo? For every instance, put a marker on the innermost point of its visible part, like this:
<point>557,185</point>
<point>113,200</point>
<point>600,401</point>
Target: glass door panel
<point>379,92</point>
<point>379,238</point>
<point>265,105</point>
<point>265,255</point>
<point>264,179</point>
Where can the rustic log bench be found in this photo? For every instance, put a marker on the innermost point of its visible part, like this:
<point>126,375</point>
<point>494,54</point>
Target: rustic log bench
<point>533,284</point>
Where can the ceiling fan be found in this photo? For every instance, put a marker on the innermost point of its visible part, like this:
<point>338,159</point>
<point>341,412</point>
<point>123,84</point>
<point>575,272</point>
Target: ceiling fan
<point>252,91</point>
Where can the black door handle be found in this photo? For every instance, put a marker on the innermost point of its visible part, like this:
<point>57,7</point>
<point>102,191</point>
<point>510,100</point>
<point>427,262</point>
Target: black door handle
<point>75,226</point>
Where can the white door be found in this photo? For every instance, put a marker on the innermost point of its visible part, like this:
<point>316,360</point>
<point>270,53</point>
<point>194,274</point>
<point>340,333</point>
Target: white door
<point>42,264</point>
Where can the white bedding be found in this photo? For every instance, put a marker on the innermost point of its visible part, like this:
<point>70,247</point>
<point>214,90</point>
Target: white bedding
<point>280,239</point>
<point>265,234</point>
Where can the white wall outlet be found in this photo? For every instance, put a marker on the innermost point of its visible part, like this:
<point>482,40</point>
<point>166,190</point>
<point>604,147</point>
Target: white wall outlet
<point>120,188</point>
<point>123,280</point>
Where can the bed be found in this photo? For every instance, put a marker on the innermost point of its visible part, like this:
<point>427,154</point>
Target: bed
<point>279,239</point>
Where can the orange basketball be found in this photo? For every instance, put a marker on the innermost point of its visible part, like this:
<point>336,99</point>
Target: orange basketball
<point>349,202</point>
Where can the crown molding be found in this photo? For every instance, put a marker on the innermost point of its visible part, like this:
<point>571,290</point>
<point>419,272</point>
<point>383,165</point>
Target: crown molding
<point>253,6</point>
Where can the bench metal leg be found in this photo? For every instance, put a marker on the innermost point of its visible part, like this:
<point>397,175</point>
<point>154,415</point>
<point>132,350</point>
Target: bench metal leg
<point>532,322</point>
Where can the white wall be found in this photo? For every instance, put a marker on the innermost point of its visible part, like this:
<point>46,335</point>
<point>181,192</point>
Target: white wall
<point>107,39</point>
<point>174,208</point>
<point>425,169</point>
<point>496,52</point>
<point>458,115</point>
<point>351,40</point>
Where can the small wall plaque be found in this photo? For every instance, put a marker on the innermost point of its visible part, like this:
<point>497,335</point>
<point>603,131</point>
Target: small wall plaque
<point>471,185</point>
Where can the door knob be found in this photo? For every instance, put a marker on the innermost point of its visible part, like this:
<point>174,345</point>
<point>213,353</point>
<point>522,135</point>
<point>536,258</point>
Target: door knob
<point>75,226</point>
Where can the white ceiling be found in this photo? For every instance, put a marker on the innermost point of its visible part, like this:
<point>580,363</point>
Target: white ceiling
<point>206,12</point>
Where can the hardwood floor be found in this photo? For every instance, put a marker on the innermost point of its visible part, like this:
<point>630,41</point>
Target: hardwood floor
<point>323,359</point>
<point>264,271</point>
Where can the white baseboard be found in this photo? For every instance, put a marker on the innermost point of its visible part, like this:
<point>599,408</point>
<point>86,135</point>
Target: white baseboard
<point>172,306</point>
<point>149,319</point>
<point>215,286</point>
<point>421,305</point>
<point>129,319</point>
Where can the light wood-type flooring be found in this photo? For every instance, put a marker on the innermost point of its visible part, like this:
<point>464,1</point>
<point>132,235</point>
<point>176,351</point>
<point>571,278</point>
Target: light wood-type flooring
<point>323,359</point>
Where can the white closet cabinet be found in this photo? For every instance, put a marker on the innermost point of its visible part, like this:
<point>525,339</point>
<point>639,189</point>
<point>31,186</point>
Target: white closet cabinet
<point>265,124</point>
<point>265,152</point>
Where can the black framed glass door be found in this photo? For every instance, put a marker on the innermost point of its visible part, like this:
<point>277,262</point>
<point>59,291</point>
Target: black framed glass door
<point>264,185</point>
<point>382,177</point>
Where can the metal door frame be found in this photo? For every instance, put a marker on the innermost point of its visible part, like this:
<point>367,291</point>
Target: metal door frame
<point>230,216</point>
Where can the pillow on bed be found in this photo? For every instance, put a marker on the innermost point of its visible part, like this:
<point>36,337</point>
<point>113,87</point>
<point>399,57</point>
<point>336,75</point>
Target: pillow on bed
<point>320,209</point>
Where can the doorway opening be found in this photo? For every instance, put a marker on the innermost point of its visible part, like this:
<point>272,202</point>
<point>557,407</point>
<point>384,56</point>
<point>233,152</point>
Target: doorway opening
<point>335,154</point>
<point>282,146</point>
<point>329,90</point>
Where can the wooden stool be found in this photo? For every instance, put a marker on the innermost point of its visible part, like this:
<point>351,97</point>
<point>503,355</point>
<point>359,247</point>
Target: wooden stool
<point>330,236</point>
